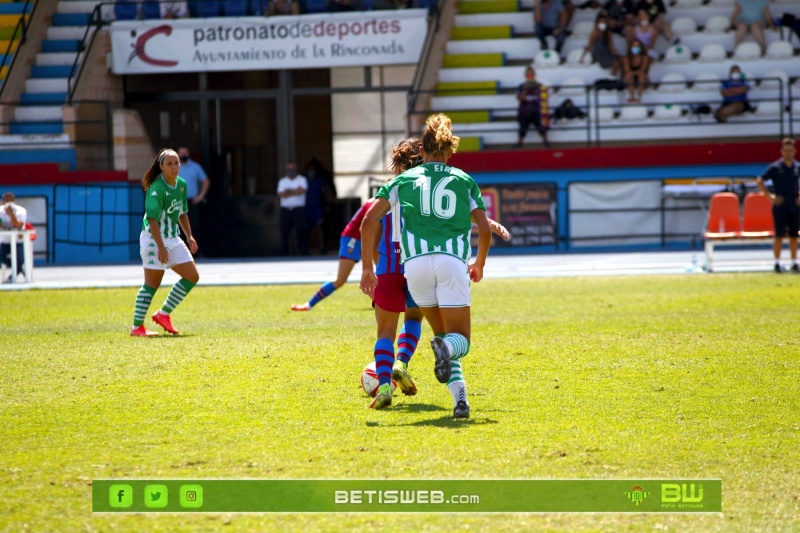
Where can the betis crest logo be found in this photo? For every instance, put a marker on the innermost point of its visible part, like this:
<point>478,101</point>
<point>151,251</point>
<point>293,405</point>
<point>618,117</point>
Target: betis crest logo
<point>637,494</point>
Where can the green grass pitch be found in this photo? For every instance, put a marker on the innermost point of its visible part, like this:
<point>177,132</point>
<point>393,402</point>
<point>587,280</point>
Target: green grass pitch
<point>691,376</point>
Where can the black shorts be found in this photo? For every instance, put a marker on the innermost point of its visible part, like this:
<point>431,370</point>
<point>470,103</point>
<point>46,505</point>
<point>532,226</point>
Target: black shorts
<point>787,219</point>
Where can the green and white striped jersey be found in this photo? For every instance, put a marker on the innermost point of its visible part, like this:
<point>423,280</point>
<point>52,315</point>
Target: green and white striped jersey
<point>435,203</point>
<point>165,204</point>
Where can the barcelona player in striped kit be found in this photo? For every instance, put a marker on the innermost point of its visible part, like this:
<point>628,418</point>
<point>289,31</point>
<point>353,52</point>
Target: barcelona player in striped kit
<point>349,255</point>
<point>391,297</point>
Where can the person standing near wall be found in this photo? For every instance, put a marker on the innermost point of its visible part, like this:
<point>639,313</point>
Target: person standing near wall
<point>784,174</point>
<point>197,184</point>
<point>12,216</point>
<point>292,192</point>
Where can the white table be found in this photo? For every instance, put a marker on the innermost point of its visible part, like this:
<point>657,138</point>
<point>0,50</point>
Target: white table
<point>27,250</point>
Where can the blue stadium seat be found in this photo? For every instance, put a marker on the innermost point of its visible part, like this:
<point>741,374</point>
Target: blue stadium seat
<point>315,6</point>
<point>235,8</point>
<point>258,8</point>
<point>151,10</point>
<point>207,9</point>
<point>125,11</point>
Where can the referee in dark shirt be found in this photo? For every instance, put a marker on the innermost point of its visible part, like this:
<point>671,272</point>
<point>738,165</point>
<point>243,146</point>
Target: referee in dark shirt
<point>785,196</point>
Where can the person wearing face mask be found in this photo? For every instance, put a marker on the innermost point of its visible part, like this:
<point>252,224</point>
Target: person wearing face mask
<point>646,33</point>
<point>197,184</point>
<point>292,190</point>
<point>532,97</point>
<point>657,12</point>
<point>734,95</point>
<point>635,67</point>
<point>601,45</point>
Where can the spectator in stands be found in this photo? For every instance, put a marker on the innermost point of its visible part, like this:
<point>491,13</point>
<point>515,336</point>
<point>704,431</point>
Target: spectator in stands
<point>657,12</point>
<point>12,216</point>
<point>601,45</point>
<point>635,70</point>
<point>620,17</point>
<point>784,174</point>
<point>532,97</point>
<point>344,5</point>
<point>174,9</point>
<point>283,7</point>
<point>751,15</point>
<point>734,95</point>
<point>551,17</point>
<point>646,33</point>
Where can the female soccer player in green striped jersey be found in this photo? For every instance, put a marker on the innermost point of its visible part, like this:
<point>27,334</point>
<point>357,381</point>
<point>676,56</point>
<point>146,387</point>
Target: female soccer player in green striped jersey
<point>160,245</point>
<point>437,204</point>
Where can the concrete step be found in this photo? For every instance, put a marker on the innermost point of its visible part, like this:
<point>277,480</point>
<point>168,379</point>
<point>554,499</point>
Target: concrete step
<point>44,141</point>
<point>39,155</point>
<point>51,71</point>
<point>76,6</point>
<point>57,58</point>
<point>75,33</point>
<point>43,98</point>
<point>38,113</point>
<point>52,127</point>
<point>71,19</point>
<point>47,85</point>
<point>60,45</point>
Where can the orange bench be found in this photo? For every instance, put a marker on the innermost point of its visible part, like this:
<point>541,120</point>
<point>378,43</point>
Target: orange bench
<point>726,226</point>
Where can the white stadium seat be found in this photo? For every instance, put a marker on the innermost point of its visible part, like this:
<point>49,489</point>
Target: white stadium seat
<point>684,26</point>
<point>667,112</point>
<point>672,82</point>
<point>712,52</point>
<point>547,58</point>
<point>768,109</point>
<point>747,51</point>
<point>572,86</point>
<point>796,108</point>
<point>574,58</point>
<point>717,24</point>
<point>605,114</point>
<point>706,81</point>
<point>582,29</point>
<point>780,50</point>
<point>723,3</point>
<point>774,84</point>
<point>633,113</point>
<point>688,3</point>
<point>678,53</point>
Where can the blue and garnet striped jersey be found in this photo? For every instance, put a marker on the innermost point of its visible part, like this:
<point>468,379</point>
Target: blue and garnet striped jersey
<point>388,250</point>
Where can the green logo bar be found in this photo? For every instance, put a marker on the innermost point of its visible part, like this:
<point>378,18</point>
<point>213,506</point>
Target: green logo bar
<point>406,495</point>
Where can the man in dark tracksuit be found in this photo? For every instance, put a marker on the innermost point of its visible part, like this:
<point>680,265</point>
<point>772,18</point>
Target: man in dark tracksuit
<point>785,197</point>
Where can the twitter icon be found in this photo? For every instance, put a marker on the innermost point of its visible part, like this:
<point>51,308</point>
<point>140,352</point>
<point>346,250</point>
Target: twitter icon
<point>156,496</point>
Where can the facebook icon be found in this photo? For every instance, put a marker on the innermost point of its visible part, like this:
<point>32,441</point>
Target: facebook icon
<point>120,496</point>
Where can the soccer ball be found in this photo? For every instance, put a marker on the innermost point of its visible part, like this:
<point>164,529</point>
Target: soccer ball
<point>369,380</point>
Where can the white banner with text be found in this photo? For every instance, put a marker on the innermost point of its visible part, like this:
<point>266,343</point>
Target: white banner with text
<point>259,43</point>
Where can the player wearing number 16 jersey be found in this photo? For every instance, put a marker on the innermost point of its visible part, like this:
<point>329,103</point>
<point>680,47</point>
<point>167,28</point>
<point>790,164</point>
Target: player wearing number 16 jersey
<point>437,204</point>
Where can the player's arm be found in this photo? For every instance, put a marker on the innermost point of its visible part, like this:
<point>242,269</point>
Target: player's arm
<point>484,240</point>
<point>368,230</point>
<point>163,254</point>
<point>497,228</point>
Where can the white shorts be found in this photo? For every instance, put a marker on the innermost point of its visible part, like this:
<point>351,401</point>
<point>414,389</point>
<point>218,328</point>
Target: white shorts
<point>438,279</point>
<point>178,252</point>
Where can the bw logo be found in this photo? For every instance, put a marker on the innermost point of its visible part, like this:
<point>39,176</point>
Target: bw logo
<point>637,494</point>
